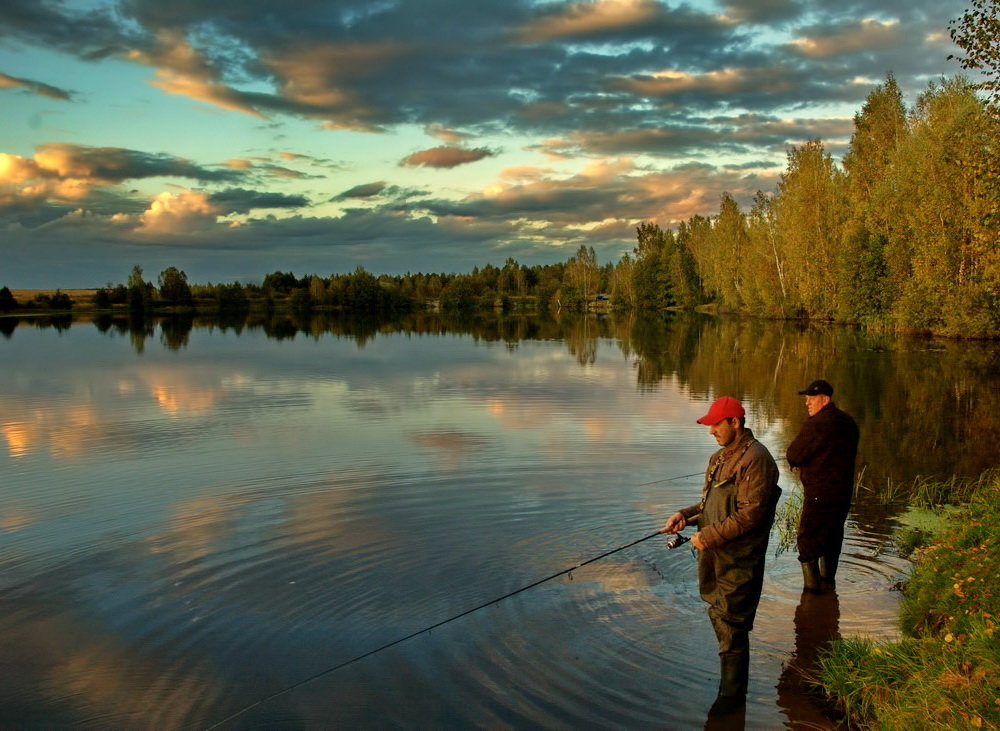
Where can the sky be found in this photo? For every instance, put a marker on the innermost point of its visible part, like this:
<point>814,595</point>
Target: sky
<point>232,138</point>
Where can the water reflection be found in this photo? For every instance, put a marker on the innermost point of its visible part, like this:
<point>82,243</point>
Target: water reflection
<point>200,512</point>
<point>921,404</point>
<point>816,625</point>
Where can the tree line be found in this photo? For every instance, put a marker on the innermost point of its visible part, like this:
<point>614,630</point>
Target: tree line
<point>902,235</point>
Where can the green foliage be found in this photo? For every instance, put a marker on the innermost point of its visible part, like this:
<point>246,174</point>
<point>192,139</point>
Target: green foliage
<point>977,33</point>
<point>810,213</point>
<point>861,262</point>
<point>919,526</point>
<point>300,300</point>
<point>945,672</point>
<point>7,300</point>
<point>280,282</point>
<point>231,298</point>
<point>461,294</point>
<point>732,242</point>
<point>102,298</point>
<point>955,582</point>
<point>174,287</point>
<point>57,301</point>
<point>903,236</point>
<point>650,286</point>
<point>140,292</point>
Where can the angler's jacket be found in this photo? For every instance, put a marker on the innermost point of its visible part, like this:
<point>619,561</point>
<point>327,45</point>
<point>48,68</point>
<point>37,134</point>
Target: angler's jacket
<point>745,476</point>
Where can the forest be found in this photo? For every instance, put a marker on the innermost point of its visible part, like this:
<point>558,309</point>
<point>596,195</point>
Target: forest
<point>902,235</point>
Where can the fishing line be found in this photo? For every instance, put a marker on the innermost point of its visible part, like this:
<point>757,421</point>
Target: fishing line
<point>673,541</point>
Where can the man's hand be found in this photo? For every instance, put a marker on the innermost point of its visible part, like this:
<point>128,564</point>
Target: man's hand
<point>696,541</point>
<point>675,523</point>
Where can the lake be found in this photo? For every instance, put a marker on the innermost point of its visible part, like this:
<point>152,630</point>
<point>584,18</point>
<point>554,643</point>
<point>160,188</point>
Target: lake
<point>200,515</point>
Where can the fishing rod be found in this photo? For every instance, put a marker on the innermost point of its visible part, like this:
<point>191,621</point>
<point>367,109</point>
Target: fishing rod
<point>670,479</point>
<point>673,541</point>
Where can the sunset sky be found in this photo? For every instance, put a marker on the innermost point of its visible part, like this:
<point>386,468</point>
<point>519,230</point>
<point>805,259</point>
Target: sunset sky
<point>232,138</point>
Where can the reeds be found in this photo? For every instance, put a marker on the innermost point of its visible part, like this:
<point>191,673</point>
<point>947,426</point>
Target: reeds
<point>786,520</point>
<point>928,492</point>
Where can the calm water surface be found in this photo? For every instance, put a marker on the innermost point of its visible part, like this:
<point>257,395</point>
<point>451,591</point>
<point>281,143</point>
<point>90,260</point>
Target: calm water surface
<point>196,518</point>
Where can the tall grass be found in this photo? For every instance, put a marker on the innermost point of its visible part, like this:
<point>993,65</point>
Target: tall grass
<point>945,672</point>
<point>786,520</point>
<point>927,492</point>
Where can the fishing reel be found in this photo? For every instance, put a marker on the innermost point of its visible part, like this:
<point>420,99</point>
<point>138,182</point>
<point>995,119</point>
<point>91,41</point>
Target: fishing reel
<point>676,540</point>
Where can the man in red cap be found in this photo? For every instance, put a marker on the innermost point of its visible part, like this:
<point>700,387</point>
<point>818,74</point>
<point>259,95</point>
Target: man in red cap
<point>734,518</point>
<point>824,453</point>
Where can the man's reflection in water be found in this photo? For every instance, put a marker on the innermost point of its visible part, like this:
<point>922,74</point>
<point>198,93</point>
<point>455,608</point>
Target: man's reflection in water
<point>817,621</point>
<point>725,714</point>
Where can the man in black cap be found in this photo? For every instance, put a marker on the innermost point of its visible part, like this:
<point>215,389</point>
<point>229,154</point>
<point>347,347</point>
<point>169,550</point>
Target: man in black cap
<point>824,452</point>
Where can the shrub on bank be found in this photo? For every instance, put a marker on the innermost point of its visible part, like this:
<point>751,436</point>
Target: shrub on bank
<point>945,672</point>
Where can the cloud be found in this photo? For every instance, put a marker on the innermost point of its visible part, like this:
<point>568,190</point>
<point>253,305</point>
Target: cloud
<point>605,192</point>
<point>445,134</point>
<point>93,33</point>
<point>534,68</point>
<point>761,11</point>
<point>184,212</point>
<point>39,188</point>
<point>720,83</point>
<point>313,77</point>
<point>115,164</point>
<point>365,190</point>
<point>446,156</point>
<point>36,87</point>
<point>240,200</point>
<point>735,134</point>
<point>654,91</point>
<point>821,42</point>
<point>588,19</point>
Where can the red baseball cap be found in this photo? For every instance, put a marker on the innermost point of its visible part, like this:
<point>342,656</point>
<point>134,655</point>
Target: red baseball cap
<point>725,407</point>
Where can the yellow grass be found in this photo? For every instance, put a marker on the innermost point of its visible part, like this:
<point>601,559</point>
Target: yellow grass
<point>79,296</point>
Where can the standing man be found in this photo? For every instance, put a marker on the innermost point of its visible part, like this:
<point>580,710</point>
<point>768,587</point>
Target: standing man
<point>824,452</point>
<point>734,518</point>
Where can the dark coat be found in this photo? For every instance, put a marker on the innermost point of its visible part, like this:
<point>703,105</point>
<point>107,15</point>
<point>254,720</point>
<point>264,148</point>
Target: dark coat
<point>824,451</point>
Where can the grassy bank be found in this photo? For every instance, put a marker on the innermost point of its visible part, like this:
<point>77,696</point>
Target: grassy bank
<point>945,671</point>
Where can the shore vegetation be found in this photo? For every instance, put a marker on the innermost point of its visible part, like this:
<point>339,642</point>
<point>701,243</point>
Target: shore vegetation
<point>944,672</point>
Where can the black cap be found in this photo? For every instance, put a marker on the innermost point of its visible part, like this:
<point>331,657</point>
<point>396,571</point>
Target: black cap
<point>817,388</point>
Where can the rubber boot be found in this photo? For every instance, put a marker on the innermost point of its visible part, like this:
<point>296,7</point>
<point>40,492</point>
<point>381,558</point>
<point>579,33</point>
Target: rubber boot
<point>828,567</point>
<point>811,580</point>
<point>734,675</point>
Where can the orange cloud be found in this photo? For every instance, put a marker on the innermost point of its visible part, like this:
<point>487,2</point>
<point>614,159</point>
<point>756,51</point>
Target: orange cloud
<point>17,169</point>
<point>33,181</point>
<point>445,134</point>
<point>210,92</point>
<point>37,87</point>
<point>722,82</point>
<point>589,18</point>
<point>174,213</point>
<point>182,70</point>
